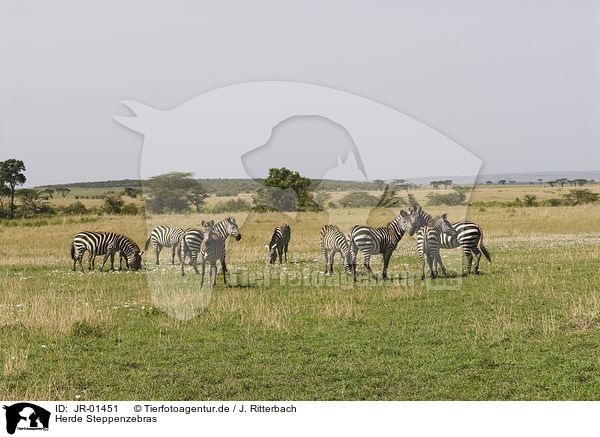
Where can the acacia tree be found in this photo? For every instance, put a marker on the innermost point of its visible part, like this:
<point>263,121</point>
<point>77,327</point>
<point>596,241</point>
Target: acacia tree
<point>285,190</point>
<point>11,175</point>
<point>173,192</point>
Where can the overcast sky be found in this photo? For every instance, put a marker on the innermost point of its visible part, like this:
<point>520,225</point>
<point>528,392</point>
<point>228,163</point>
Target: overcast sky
<point>515,83</point>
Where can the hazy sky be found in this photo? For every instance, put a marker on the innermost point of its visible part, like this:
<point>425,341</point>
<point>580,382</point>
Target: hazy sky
<point>515,82</point>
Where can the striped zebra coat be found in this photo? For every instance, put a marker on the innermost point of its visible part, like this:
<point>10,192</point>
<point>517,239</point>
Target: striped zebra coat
<point>165,236</point>
<point>212,249</point>
<point>191,241</point>
<point>107,244</point>
<point>279,242</point>
<point>332,242</point>
<point>428,243</point>
<point>373,241</point>
<point>468,236</point>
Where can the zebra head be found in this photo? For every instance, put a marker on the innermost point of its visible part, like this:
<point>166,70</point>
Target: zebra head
<point>135,260</point>
<point>416,219</point>
<point>207,228</point>
<point>442,224</point>
<point>232,229</point>
<point>272,253</point>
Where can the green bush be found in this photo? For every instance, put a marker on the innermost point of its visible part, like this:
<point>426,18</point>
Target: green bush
<point>358,199</point>
<point>232,205</point>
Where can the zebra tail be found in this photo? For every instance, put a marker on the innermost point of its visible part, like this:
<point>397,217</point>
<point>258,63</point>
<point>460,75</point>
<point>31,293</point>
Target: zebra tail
<point>148,242</point>
<point>484,250</point>
<point>73,251</point>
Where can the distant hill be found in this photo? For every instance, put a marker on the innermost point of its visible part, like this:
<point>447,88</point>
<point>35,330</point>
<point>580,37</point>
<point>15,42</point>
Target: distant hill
<point>224,187</point>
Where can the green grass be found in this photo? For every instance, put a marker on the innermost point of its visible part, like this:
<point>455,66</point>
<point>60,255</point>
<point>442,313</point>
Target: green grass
<point>527,328</point>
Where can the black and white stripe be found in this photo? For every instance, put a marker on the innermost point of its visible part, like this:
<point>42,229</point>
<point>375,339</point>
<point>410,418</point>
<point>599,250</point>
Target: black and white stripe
<point>191,241</point>
<point>332,242</point>
<point>107,244</point>
<point>468,236</point>
<point>279,242</point>
<point>373,241</point>
<point>212,249</point>
<point>165,236</point>
<point>428,243</point>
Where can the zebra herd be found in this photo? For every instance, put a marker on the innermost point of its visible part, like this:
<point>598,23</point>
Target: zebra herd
<point>433,234</point>
<point>208,243</point>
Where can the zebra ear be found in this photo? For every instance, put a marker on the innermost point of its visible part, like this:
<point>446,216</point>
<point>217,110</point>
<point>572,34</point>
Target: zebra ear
<point>203,223</point>
<point>141,253</point>
<point>444,216</point>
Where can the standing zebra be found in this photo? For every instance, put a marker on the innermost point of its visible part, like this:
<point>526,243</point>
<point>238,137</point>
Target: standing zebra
<point>165,236</point>
<point>192,240</point>
<point>428,243</point>
<point>211,250</point>
<point>107,244</point>
<point>372,241</point>
<point>279,242</point>
<point>333,241</point>
<point>468,236</point>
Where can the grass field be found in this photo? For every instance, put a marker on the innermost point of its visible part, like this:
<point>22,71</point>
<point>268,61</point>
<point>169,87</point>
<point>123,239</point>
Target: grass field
<point>527,328</point>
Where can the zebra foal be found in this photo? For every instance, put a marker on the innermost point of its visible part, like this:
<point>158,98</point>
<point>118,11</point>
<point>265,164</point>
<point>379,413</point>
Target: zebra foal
<point>191,242</point>
<point>279,242</point>
<point>332,242</point>
<point>212,249</point>
<point>428,243</point>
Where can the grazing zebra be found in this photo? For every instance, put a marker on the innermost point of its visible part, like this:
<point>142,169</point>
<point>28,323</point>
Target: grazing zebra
<point>279,242</point>
<point>373,241</point>
<point>211,250</point>
<point>192,240</point>
<point>107,244</point>
<point>468,236</point>
<point>428,243</point>
<point>165,236</point>
<point>333,241</point>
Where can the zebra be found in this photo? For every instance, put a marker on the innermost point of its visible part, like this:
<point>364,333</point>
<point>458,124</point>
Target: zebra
<point>468,236</point>
<point>333,241</point>
<point>279,242</point>
<point>428,243</point>
<point>211,250</point>
<point>165,236</point>
<point>372,241</point>
<point>191,241</point>
<point>107,244</point>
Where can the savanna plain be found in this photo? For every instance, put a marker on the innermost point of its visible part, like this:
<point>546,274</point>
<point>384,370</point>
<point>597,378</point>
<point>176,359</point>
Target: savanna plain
<point>526,328</point>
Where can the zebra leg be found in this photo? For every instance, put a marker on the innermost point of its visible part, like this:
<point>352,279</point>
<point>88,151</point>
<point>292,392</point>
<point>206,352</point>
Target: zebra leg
<point>430,258</point>
<point>280,252</point>
<point>157,249</point>
<point>173,250</point>
<point>331,261</point>
<point>184,251</point>
<point>286,249</point>
<point>422,266</point>
<point>81,263</point>
<point>438,260</point>
<point>202,279</point>
<point>477,253</point>
<point>326,259</point>
<point>195,264</point>
<point>214,278</point>
<point>469,255</point>
<point>224,268</point>
<point>366,261</point>
<point>105,259</point>
<point>92,262</point>
<point>386,261</point>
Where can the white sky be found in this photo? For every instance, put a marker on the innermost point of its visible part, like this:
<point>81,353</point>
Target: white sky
<point>514,82</point>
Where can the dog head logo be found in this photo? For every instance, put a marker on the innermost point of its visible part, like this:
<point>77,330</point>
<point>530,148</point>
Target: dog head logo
<point>26,416</point>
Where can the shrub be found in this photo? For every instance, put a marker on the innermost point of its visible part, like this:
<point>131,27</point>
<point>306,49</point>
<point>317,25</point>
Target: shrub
<point>130,209</point>
<point>232,205</point>
<point>457,198</point>
<point>75,208</point>
<point>113,205</point>
<point>581,196</point>
<point>358,199</point>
